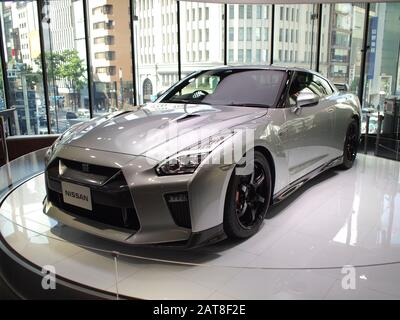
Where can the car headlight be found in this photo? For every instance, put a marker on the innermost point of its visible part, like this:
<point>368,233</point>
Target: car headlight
<point>50,150</point>
<point>187,160</point>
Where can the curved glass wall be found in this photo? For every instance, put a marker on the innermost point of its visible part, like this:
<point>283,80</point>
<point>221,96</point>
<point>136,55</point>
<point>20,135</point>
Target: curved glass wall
<point>110,55</point>
<point>2,98</point>
<point>295,35</point>
<point>22,52</point>
<point>249,28</point>
<point>342,34</point>
<point>156,32</point>
<point>382,76</point>
<point>92,67</point>
<point>66,65</point>
<point>201,36</point>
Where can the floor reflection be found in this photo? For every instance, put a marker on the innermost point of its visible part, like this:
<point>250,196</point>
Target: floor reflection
<point>339,218</point>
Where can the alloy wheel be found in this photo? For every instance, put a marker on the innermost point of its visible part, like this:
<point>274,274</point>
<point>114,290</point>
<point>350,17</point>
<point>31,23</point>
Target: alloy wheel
<point>251,197</point>
<point>351,142</point>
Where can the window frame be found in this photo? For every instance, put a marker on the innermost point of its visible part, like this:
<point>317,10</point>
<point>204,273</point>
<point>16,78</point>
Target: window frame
<point>313,74</point>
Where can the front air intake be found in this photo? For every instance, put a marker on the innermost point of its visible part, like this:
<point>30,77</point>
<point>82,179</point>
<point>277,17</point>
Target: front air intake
<point>112,202</point>
<point>178,204</point>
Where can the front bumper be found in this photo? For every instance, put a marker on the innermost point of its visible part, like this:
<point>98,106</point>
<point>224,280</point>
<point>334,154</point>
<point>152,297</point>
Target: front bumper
<point>143,195</point>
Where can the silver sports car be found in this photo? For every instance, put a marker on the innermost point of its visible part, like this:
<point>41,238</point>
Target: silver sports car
<point>204,161</point>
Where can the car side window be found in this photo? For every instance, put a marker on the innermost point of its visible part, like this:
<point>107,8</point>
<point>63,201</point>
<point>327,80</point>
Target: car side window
<point>305,82</point>
<point>325,85</point>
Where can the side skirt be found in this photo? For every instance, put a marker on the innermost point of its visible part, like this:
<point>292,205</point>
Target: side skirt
<point>292,187</point>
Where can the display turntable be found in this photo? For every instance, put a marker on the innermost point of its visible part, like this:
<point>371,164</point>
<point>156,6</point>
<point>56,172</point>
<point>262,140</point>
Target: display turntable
<point>305,248</point>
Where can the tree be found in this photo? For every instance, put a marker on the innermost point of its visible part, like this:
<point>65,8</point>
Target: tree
<point>53,61</point>
<point>354,84</point>
<point>66,66</point>
<point>32,78</point>
<point>73,71</point>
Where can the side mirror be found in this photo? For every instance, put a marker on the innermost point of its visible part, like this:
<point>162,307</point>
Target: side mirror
<point>342,87</point>
<point>307,99</point>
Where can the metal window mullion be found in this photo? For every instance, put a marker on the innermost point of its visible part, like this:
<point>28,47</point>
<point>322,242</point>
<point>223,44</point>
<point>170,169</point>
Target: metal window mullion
<point>133,52</point>
<point>88,58</point>
<point>271,57</point>
<point>317,58</point>
<point>6,85</point>
<point>364,54</point>
<point>225,34</point>
<point>40,5</point>
<point>178,21</point>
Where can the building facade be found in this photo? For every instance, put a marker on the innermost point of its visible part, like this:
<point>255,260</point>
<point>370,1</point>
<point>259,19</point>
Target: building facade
<point>114,72</point>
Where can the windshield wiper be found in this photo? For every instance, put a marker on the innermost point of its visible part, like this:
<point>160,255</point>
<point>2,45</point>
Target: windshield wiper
<point>250,104</point>
<point>177,101</point>
<point>185,101</point>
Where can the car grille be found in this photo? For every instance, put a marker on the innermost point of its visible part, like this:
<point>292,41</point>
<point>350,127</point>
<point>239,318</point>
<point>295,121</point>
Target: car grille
<point>90,168</point>
<point>178,204</point>
<point>112,202</point>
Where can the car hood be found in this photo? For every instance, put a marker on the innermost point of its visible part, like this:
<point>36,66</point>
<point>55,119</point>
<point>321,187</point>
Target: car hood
<point>159,126</point>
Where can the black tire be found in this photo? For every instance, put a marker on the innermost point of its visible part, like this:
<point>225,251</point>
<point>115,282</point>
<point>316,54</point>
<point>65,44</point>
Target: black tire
<point>350,145</point>
<point>243,200</point>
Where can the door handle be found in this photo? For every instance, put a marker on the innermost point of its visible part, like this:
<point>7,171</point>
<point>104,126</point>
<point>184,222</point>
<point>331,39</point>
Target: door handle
<point>295,109</point>
<point>282,132</point>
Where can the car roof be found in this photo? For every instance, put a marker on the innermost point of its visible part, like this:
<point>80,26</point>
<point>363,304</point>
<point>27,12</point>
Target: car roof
<point>265,67</point>
<point>262,67</point>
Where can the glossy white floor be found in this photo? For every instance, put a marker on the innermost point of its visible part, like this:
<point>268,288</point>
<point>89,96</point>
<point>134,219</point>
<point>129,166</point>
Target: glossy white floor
<point>341,218</point>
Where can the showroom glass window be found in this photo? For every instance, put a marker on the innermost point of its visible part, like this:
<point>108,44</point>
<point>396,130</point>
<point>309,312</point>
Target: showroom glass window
<point>24,69</point>
<point>65,53</point>
<point>156,44</point>
<point>382,74</point>
<point>2,97</point>
<point>342,32</point>
<point>110,54</point>
<point>209,51</point>
<point>252,43</point>
<point>296,29</point>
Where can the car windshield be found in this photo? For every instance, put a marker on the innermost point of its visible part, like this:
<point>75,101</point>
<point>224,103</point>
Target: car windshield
<point>235,87</point>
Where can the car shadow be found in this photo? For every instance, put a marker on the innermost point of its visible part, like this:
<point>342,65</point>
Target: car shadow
<point>276,209</point>
<point>140,254</point>
<point>280,207</point>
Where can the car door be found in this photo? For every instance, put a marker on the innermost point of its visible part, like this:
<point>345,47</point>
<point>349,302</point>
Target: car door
<point>308,128</point>
<point>338,116</point>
